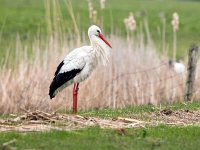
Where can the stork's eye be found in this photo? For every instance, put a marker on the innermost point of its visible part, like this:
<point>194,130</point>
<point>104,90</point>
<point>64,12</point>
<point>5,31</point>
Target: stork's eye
<point>98,31</point>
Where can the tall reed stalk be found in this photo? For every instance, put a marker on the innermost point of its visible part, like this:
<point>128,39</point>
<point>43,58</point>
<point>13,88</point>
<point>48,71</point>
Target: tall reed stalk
<point>175,25</point>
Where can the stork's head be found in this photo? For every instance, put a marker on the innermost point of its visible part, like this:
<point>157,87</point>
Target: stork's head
<point>96,31</point>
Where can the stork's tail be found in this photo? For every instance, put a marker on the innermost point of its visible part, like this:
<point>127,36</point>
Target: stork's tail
<point>52,89</point>
<point>62,80</point>
<point>57,86</point>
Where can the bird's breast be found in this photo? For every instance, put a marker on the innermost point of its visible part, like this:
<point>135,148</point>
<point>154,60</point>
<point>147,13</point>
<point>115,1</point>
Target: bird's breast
<point>86,71</point>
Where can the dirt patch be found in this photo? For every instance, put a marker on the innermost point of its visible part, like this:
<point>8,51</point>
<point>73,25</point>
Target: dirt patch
<point>179,117</point>
<point>42,121</point>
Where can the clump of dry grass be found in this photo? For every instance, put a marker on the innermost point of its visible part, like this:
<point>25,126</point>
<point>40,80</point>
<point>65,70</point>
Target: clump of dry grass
<point>92,11</point>
<point>130,25</point>
<point>102,4</point>
<point>130,22</point>
<point>175,21</point>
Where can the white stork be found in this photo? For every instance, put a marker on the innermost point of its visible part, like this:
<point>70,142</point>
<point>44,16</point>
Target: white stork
<point>178,68</point>
<point>79,64</point>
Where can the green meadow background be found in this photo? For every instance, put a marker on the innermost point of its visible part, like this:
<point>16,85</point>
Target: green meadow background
<point>27,18</point>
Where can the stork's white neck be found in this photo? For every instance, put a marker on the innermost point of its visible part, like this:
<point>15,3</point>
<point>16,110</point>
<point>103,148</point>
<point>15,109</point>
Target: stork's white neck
<point>101,50</point>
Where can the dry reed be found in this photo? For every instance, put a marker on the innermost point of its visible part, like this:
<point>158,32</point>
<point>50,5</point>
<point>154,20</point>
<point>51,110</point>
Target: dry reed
<point>136,75</point>
<point>102,4</point>
<point>175,26</point>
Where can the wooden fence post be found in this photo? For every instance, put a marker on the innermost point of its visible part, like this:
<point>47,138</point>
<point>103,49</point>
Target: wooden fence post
<point>192,62</point>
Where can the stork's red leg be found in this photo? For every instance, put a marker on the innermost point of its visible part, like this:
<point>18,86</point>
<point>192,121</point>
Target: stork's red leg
<point>75,99</point>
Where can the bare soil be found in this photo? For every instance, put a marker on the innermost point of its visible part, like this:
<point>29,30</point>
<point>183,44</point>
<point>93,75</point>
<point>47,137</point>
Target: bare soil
<point>179,117</point>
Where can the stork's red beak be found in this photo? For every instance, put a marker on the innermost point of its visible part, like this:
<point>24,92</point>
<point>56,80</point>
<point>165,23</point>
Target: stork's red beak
<point>102,37</point>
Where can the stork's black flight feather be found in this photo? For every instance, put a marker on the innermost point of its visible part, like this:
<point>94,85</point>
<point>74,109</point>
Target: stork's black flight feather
<point>59,67</point>
<point>60,79</point>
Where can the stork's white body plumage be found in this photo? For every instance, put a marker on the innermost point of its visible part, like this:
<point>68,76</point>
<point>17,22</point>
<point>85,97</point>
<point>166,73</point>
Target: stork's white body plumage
<point>79,63</point>
<point>83,59</point>
<point>179,68</point>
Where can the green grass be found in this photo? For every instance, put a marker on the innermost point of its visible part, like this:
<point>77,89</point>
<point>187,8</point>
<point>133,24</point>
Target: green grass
<point>6,116</point>
<point>161,137</point>
<point>140,111</point>
<point>150,138</point>
<point>27,18</point>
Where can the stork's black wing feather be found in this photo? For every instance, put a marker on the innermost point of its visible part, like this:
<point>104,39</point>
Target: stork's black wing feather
<point>59,67</point>
<point>61,78</point>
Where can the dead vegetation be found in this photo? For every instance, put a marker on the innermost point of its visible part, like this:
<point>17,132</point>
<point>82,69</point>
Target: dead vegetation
<point>42,121</point>
<point>180,117</point>
<point>129,79</point>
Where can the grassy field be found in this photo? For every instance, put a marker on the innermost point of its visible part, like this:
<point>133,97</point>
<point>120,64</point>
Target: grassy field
<point>161,137</point>
<point>28,19</point>
<point>138,111</point>
<point>150,138</point>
